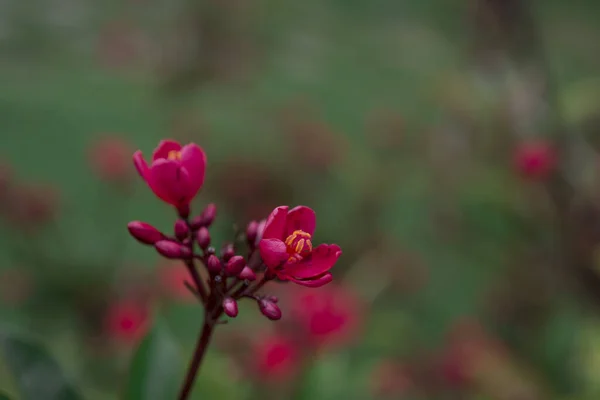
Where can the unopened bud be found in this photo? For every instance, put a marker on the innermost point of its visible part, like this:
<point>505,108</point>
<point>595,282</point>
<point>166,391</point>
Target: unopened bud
<point>170,249</point>
<point>274,299</point>
<point>206,218</point>
<point>235,265</point>
<point>227,251</point>
<point>269,309</point>
<point>213,264</point>
<point>230,307</point>
<point>203,237</point>
<point>247,274</point>
<point>184,211</point>
<point>251,232</point>
<point>181,229</point>
<point>144,233</point>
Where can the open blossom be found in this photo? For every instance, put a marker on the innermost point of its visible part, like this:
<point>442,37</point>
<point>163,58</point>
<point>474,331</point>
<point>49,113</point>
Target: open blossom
<point>286,248</point>
<point>327,318</point>
<point>176,173</point>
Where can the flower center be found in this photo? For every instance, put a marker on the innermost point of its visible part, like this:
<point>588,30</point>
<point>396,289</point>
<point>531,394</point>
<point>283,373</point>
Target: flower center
<point>298,245</point>
<point>174,155</point>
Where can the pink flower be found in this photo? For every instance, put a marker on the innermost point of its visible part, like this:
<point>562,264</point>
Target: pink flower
<point>276,357</point>
<point>176,174</point>
<point>286,248</point>
<point>127,321</point>
<point>172,277</point>
<point>109,159</point>
<point>327,318</point>
<point>535,159</point>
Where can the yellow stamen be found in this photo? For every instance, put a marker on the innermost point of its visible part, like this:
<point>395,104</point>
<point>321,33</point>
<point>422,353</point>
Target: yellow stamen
<point>174,155</point>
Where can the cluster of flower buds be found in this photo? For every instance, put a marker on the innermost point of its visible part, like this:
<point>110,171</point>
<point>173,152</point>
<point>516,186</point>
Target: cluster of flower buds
<point>279,247</point>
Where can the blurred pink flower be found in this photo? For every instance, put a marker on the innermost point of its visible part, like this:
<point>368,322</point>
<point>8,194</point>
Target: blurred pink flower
<point>127,321</point>
<point>110,157</point>
<point>31,206</point>
<point>390,379</point>
<point>465,344</point>
<point>328,318</point>
<point>276,357</point>
<point>172,277</point>
<point>535,159</point>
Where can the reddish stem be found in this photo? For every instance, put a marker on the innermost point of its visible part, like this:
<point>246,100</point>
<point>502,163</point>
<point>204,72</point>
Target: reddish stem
<point>199,352</point>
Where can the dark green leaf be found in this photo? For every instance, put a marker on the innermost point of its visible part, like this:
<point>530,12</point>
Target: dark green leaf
<point>37,375</point>
<point>155,370</point>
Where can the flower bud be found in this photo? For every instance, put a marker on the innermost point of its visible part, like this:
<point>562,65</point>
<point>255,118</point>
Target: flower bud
<point>206,218</point>
<point>235,265</point>
<point>251,232</point>
<point>269,309</point>
<point>181,229</point>
<point>230,307</point>
<point>184,211</point>
<point>247,274</point>
<point>144,233</point>
<point>213,264</point>
<point>203,237</point>
<point>170,249</point>
<point>227,251</point>
<point>274,299</point>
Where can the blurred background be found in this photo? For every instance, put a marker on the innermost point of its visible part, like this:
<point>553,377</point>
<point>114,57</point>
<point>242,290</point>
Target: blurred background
<point>449,148</point>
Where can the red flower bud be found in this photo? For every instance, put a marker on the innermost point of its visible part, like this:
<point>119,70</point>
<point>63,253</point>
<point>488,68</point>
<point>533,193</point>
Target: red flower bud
<point>247,274</point>
<point>181,229</point>
<point>274,299</point>
<point>206,218</point>
<point>235,266</point>
<point>144,233</point>
<point>203,237</point>
<point>183,210</point>
<point>251,233</point>
<point>269,309</point>
<point>230,307</point>
<point>170,249</point>
<point>213,264</point>
<point>227,251</point>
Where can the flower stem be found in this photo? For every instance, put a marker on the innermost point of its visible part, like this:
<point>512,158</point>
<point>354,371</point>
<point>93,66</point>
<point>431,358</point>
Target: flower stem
<point>201,346</point>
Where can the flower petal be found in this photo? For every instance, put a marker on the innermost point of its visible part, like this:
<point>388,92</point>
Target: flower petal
<point>314,283</point>
<point>163,149</point>
<point>170,182</point>
<point>322,259</point>
<point>194,160</point>
<point>140,164</point>
<point>301,218</point>
<point>273,252</point>
<point>275,225</point>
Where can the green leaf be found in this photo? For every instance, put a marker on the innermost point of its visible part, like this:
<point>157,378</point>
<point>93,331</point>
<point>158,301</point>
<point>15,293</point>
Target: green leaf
<point>4,396</point>
<point>155,368</point>
<point>37,375</point>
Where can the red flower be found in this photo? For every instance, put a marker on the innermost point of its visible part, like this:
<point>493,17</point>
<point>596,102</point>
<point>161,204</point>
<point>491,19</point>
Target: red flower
<point>176,174</point>
<point>536,159</point>
<point>276,357</point>
<point>109,159</point>
<point>327,317</point>
<point>286,248</point>
<point>127,321</point>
